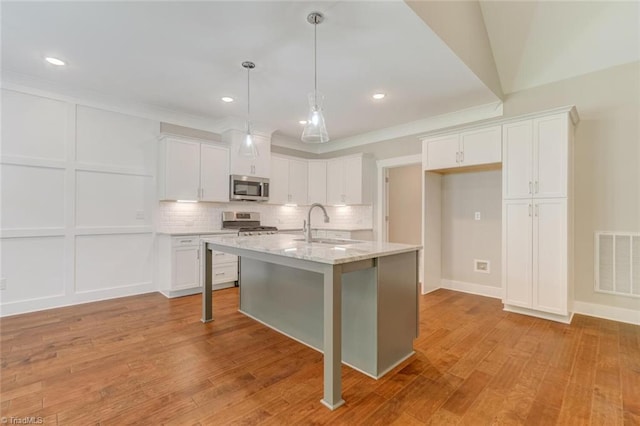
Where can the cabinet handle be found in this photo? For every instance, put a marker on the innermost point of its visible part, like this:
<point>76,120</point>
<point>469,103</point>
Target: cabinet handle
<point>537,210</point>
<point>530,187</point>
<point>537,187</point>
<point>462,156</point>
<point>457,157</point>
<point>198,254</point>
<point>219,254</point>
<point>220,273</point>
<point>529,210</point>
<point>185,241</point>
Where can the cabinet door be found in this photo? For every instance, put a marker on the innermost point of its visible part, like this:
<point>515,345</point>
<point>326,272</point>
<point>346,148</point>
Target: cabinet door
<point>353,180</point>
<point>186,268</point>
<point>482,146</point>
<point>550,255</point>
<point>550,150</point>
<point>214,173</point>
<point>246,166</point>
<point>517,252</point>
<point>262,163</point>
<point>182,170</point>
<point>279,181</point>
<point>317,179</point>
<point>441,152</point>
<point>517,155</point>
<point>335,181</point>
<point>298,172</point>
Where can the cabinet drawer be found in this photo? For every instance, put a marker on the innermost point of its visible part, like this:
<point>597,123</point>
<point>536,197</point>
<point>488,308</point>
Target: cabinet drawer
<point>220,257</point>
<point>225,273</point>
<point>192,240</point>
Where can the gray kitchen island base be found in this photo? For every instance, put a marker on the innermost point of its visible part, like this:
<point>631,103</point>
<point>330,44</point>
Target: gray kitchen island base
<point>378,308</point>
<point>296,287</point>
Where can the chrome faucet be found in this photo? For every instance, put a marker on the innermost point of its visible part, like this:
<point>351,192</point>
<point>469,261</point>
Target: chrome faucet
<point>307,223</point>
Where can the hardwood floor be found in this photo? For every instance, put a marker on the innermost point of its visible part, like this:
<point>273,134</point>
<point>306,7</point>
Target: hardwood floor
<point>149,360</point>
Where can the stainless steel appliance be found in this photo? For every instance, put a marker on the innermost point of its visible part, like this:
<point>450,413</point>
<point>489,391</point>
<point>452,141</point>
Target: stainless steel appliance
<point>248,188</point>
<point>246,223</point>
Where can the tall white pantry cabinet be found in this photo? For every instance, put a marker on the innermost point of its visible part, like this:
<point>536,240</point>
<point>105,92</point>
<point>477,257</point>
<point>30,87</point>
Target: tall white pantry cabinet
<point>537,215</point>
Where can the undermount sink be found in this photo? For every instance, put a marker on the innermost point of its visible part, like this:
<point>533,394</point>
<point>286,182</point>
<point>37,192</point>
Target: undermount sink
<point>331,241</point>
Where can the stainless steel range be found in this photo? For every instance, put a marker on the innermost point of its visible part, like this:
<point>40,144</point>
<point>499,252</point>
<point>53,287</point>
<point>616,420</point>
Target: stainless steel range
<point>246,223</point>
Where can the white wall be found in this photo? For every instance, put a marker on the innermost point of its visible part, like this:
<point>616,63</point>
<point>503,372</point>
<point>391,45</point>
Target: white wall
<point>607,161</point>
<point>464,238</point>
<point>77,203</point>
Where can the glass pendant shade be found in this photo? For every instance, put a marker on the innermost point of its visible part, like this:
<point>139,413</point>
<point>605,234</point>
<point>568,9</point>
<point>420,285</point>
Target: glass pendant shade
<point>315,131</point>
<point>248,146</point>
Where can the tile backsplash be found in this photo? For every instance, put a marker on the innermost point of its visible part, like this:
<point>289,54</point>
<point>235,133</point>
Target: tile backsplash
<point>181,217</point>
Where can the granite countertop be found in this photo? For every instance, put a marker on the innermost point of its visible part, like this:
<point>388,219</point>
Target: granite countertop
<point>182,232</point>
<point>342,251</point>
<point>328,228</point>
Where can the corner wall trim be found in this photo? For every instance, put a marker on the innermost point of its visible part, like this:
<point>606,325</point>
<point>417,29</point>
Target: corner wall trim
<point>473,288</point>
<point>629,316</point>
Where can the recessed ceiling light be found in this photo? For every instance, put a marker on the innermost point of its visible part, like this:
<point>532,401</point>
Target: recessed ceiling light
<point>302,121</point>
<point>378,95</point>
<point>55,61</point>
<point>227,99</point>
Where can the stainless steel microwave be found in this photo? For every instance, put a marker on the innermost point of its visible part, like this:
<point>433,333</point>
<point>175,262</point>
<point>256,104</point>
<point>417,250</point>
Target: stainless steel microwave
<point>248,188</point>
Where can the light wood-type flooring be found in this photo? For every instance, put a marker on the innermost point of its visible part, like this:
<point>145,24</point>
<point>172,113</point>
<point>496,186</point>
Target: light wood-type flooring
<point>149,360</point>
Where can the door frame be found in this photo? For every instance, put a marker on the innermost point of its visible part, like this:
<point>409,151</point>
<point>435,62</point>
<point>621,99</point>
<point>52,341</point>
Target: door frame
<point>383,203</point>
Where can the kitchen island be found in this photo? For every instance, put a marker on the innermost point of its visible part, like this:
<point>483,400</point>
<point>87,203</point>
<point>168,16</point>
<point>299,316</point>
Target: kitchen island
<point>356,301</point>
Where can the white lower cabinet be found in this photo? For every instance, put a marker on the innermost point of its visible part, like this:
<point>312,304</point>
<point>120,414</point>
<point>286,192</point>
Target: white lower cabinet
<point>535,256</point>
<point>178,270</point>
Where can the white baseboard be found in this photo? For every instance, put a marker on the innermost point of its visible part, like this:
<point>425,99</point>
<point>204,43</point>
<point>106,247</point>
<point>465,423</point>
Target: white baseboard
<point>479,289</point>
<point>630,316</point>
<point>26,306</point>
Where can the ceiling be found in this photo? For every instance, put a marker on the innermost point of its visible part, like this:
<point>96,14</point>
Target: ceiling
<point>184,56</point>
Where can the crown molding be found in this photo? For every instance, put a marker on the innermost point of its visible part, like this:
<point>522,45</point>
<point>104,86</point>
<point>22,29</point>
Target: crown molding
<point>413,128</point>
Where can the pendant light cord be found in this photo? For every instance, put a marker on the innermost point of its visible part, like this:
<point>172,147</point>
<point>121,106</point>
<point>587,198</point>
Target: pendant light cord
<point>248,102</point>
<point>315,63</point>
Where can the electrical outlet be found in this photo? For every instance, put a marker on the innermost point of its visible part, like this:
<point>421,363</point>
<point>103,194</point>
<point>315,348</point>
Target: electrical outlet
<point>483,266</point>
<point>3,283</point>
<point>140,215</point>
<point>477,216</point>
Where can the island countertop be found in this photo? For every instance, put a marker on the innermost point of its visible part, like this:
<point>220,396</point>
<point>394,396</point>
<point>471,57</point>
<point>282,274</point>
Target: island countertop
<point>293,246</point>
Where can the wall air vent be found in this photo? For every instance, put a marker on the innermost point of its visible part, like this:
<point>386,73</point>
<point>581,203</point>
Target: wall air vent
<point>617,265</point>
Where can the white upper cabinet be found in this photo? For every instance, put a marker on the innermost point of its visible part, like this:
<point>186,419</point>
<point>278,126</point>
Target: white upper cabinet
<point>317,181</point>
<point>462,149</point>
<point>550,156</point>
<point>246,166</point>
<point>536,158</point>
<point>288,182</point>
<point>214,173</point>
<point>191,170</point>
<point>482,146</point>
<point>180,162</point>
<point>349,180</point>
<point>298,175</point>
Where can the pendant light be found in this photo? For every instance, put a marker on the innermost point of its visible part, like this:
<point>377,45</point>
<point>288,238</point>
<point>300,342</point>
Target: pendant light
<point>248,146</point>
<point>315,131</point>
